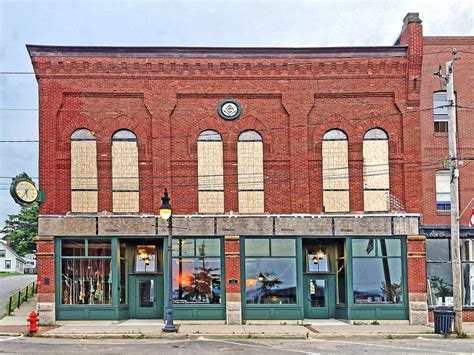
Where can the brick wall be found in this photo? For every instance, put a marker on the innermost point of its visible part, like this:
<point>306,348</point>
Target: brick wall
<point>435,145</point>
<point>292,108</point>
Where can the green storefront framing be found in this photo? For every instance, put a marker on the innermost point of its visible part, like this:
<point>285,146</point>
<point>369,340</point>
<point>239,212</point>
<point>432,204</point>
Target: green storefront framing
<point>114,311</point>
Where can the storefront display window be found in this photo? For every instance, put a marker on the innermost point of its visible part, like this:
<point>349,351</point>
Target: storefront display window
<point>86,275</point>
<point>439,272</point>
<point>196,271</point>
<point>467,258</point>
<point>377,271</point>
<point>270,271</point>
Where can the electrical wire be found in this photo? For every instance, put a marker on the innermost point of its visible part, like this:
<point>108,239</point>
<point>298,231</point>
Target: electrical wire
<point>266,130</point>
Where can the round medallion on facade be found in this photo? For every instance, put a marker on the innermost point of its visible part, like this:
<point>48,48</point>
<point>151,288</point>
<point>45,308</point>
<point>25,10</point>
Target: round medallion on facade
<point>229,109</point>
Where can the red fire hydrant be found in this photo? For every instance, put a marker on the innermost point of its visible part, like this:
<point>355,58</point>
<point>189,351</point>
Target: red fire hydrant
<point>33,320</point>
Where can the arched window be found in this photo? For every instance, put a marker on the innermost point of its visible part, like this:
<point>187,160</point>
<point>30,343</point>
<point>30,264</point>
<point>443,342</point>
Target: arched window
<point>83,171</point>
<point>335,172</point>
<point>210,172</point>
<point>125,179</point>
<point>376,171</point>
<point>250,172</point>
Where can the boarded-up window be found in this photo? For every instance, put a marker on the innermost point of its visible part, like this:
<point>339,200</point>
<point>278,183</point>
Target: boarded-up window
<point>250,172</point>
<point>125,181</point>
<point>335,172</point>
<point>83,171</point>
<point>210,172</point>
<point>376,171</point>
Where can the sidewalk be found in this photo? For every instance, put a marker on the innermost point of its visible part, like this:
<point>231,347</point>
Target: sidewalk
<point>153,329</point>
<point>16,322</point>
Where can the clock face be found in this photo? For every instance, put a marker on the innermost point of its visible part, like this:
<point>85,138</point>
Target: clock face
<point>26,191</point>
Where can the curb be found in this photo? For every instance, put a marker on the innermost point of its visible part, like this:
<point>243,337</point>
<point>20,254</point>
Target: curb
<point>196,336</point>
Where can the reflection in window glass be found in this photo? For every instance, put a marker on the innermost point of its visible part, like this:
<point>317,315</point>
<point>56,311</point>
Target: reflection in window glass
<point>208,247</point>
<point>123,274</point>
<point>73,247</point>
<point>467,250</point>
<point>388,247</point>
<point>145,258</point>
<point>468,284</point>
<point>317,292</point>
<point>197,280</point>
<point>283,247</point>
<point>270,280</point>
<point>257,247</point>
<point>99,248</point>
<point>341,273</point>
<point>196,276</point>
<point>183,247</point>
<point>363,247</point>
<point>377,280</point>
<point>440,284</point>
<point>437,250</point>
<point>146,290</point>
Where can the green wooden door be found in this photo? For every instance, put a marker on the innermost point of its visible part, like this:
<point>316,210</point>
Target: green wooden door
<point>318,293</point>
<point>146,299</point>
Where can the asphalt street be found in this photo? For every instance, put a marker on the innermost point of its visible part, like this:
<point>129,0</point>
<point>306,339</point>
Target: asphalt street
<point>11,284</point>
<point>257,346</point>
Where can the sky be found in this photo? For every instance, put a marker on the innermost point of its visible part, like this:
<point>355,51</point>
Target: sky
<point>225,23</point>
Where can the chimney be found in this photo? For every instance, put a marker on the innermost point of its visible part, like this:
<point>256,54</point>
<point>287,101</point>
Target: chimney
<point>412,36</point>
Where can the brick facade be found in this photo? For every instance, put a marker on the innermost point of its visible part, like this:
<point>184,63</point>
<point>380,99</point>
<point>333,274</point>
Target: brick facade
<point>291,97</point>
<point>435,144</point>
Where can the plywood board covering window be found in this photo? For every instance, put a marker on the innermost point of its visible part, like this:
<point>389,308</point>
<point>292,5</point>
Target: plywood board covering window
<point>335,172</point>
<point>250,173</point>
<point>376,171</point>
<point>83,172</point>
<point>125,179</point>
<point>210,172</point>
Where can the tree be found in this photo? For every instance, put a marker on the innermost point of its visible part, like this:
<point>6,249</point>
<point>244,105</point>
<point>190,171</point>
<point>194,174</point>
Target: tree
<point>21,228</point>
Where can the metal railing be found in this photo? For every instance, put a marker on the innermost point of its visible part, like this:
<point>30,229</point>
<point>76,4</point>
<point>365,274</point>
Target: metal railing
<point>22,296</point>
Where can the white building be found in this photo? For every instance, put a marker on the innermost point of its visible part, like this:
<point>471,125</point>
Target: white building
<point>10,261</point>
<point>30,263</point>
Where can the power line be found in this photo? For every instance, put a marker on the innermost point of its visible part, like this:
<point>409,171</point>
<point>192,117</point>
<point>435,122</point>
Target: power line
<point>267,129</point>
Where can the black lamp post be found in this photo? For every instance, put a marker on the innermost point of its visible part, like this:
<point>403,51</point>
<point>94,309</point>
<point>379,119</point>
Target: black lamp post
<point>165,213</point>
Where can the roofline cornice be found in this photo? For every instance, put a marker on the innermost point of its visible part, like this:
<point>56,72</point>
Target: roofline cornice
<point>216,52</point>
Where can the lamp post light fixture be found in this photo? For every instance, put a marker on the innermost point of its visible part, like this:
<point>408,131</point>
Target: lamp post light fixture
<point>165,213</point>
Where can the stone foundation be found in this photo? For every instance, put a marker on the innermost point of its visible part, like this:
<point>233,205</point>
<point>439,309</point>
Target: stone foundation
<point>233,309</point>
<point>46,312</point>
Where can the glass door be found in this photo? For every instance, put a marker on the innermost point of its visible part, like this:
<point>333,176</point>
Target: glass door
<point>147,295</point>
<point>316,296</point>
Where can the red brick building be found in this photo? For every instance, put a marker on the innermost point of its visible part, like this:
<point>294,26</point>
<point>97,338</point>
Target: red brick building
<point>294,175</point>
<point>436,199</point>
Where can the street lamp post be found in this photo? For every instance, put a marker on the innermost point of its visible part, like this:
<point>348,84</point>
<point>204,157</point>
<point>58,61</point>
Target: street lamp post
<point>165,213</point>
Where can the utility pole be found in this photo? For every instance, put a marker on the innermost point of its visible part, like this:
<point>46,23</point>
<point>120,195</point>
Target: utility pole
<point>454,189</point>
